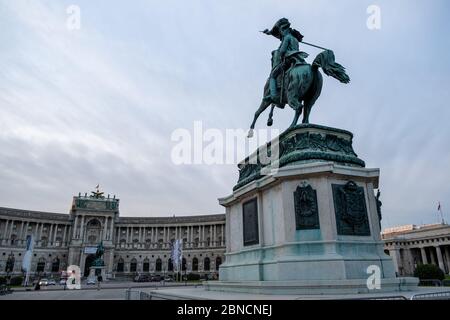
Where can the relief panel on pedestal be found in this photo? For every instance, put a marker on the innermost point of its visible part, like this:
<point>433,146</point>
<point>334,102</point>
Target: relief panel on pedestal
<point>351,211</point>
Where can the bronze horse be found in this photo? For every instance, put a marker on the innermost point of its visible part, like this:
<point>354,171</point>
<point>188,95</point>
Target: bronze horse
<point>301,85</point>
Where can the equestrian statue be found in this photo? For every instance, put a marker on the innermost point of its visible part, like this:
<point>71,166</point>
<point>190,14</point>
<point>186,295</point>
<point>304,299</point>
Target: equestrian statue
<point>292,80</point>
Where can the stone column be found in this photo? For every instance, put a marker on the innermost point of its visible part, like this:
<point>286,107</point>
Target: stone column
<point>64,235</point>
<point>55,233</point>
<point>202,235</point>
<point>424,255</point>
<point>25,232</point>
<point>20,236</point>
<point>223,235</point>
<point>164,237</point>
<point>395,254</point>
<point>105,229</point>
<point>50,234</point>
<point>127,237</point>
<point>40,231</point>
<point>10,230</point>
<point>6,229</point>
<point>433,259</point>
<point>111,229</point>
<point>447,257</point>
<point>440,259</point>
<point>214,236</point>
<point>82,229</point>
<point>75,226</point>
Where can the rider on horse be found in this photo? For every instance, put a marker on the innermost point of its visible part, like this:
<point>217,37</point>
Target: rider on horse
<point>289,46</point>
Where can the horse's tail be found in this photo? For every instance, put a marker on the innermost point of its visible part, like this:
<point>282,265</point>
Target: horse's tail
<point>325,60</point>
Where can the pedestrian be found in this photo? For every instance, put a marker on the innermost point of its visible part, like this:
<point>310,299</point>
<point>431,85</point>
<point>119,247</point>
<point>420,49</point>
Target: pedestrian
<point>99,280</point>
<point>38,285</point>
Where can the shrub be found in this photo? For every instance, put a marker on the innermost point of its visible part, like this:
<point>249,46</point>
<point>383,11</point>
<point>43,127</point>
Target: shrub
<point>2,280</point>
<point>16,281</point>
<point>429,271</point>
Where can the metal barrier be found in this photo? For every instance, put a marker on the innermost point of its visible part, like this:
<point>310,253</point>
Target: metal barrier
<point>4,289</point>
<point>137,295</point>
<point>389,298</point>
<point>430,283</point>
<point>444,295</point>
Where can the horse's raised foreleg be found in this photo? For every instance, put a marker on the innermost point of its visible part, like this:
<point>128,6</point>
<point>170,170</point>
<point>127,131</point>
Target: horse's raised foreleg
<point>258,112</point>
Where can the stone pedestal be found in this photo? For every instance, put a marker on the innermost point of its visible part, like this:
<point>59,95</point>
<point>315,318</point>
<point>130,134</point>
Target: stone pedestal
<point>94,272</point>
<point>309,225</point>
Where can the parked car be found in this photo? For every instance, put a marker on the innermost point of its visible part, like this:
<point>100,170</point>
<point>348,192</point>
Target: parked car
<point>91,281</point>
<point>142,278</point>
<point>156,278</point>
<point>63,282</point>
<point>168,279</point>
<point>51,282</point>
<point>43,282</point>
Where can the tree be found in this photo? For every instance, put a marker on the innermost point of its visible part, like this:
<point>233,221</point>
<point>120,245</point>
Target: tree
<point>428,272</point>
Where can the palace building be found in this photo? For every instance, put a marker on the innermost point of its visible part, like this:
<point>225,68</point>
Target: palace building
<point>411,245</point>
<point>133,245</point>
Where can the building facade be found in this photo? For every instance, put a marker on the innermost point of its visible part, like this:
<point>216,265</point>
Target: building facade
<point>132,245</point>
<point>411,245</point>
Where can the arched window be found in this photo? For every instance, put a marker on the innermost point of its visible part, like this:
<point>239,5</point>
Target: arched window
<point>206,264</point>
<point>146,265</point>
<point>133,265</point>
<point>195,264</point>
<point>94,223</point>
<point>40,267</point>
<point>158,265</point>
<point>55,265</point>
<point>120,265</point>
<point>183,264</point>
<point>218,263</point>
<point>92,232</point>
<point>148,243</point>
<point>170,265</point>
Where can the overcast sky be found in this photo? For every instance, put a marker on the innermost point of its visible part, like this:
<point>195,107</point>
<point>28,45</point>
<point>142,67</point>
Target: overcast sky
<point>99,104</point>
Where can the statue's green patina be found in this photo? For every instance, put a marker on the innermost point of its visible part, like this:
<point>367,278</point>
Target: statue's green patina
<point>98,262</point>
<point>292,80</point>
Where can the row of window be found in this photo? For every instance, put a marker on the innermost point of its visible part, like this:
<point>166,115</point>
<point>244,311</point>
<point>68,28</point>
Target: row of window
<point>159,265</point>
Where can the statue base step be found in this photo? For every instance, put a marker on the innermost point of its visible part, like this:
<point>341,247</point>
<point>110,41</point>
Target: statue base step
<point>312,287</point>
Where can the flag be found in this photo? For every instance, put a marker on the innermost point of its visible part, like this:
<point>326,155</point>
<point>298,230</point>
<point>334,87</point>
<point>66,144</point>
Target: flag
<point>177,254</point>
<point>26,262</point>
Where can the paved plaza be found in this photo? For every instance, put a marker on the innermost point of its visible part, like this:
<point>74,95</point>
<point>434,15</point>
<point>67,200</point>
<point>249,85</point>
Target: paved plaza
<point>110,291</point>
